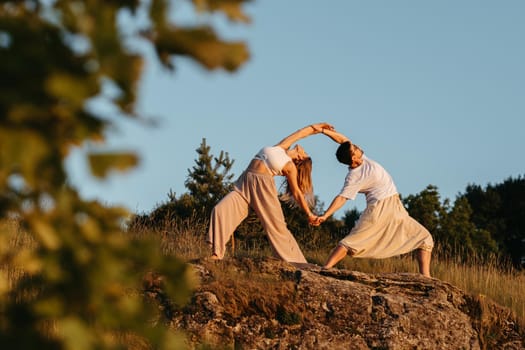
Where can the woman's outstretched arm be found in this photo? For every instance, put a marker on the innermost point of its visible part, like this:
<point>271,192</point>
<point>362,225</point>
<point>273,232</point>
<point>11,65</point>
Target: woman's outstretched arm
<point>308,130</point>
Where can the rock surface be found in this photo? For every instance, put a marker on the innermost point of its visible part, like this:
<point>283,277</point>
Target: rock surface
<point>269,304</point>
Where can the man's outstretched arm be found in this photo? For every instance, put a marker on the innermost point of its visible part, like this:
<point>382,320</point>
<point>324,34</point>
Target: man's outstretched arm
<point>336,204</point>
<point>336,136</point>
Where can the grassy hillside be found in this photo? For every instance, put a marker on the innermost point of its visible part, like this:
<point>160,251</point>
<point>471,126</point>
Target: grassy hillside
<point>503,284</point>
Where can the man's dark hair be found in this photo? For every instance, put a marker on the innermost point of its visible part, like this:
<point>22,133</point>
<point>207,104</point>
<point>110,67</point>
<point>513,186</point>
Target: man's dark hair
<point>344,153</point>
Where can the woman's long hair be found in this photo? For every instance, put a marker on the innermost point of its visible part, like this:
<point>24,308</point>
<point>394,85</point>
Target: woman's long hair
<point>304,181</point>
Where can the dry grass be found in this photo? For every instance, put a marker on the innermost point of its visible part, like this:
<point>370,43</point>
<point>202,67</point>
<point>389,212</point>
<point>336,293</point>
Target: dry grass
<point>502,284</point>
<point>186,239</point>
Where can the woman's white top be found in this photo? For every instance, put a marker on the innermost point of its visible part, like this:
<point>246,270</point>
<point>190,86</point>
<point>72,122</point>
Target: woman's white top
<point>274,158</point>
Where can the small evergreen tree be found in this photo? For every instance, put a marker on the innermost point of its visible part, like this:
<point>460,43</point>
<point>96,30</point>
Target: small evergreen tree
<point>209,179</point>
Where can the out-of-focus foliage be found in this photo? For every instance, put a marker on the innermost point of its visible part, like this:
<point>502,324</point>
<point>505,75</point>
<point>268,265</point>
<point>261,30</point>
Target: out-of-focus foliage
<point>77,282</point>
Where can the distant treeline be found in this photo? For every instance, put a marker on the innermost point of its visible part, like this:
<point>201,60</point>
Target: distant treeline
<point>482,222</point>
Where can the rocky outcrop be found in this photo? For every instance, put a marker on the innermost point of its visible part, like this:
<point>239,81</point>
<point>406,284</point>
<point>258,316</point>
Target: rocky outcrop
<point>269,304</point>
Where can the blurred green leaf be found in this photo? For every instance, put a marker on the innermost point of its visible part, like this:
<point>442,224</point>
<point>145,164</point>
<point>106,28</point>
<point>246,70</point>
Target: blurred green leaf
<point>50,306</point>
<point>28,261</point>
<point>23,151</point>
<point>45,233</point>
<point>70,89</point>
<point>232,8</point>
<point>202,44</point>
<point>174,341</point>
<point>75,334</point>
<point>102,163</point>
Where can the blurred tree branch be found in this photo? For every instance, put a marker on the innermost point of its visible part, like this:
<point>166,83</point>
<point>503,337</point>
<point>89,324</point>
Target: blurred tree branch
<point>55,57</point>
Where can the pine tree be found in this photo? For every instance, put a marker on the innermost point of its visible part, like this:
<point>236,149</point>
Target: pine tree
<point>209,179</point>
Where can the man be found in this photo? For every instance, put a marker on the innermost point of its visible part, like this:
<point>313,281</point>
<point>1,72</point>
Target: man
<point>384,229</point>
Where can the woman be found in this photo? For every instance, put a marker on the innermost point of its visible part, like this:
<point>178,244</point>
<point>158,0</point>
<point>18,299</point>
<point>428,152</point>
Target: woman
<point>255,188</point>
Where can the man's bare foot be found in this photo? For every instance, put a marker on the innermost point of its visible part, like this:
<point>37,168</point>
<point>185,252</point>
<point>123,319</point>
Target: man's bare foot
<point>214,257</point>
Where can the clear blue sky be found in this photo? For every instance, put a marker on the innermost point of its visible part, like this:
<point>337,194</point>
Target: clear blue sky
<point>433,90</point>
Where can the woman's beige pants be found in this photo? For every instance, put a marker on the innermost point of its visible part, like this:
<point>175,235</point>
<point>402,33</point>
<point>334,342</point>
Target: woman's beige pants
<point>258,191</point>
